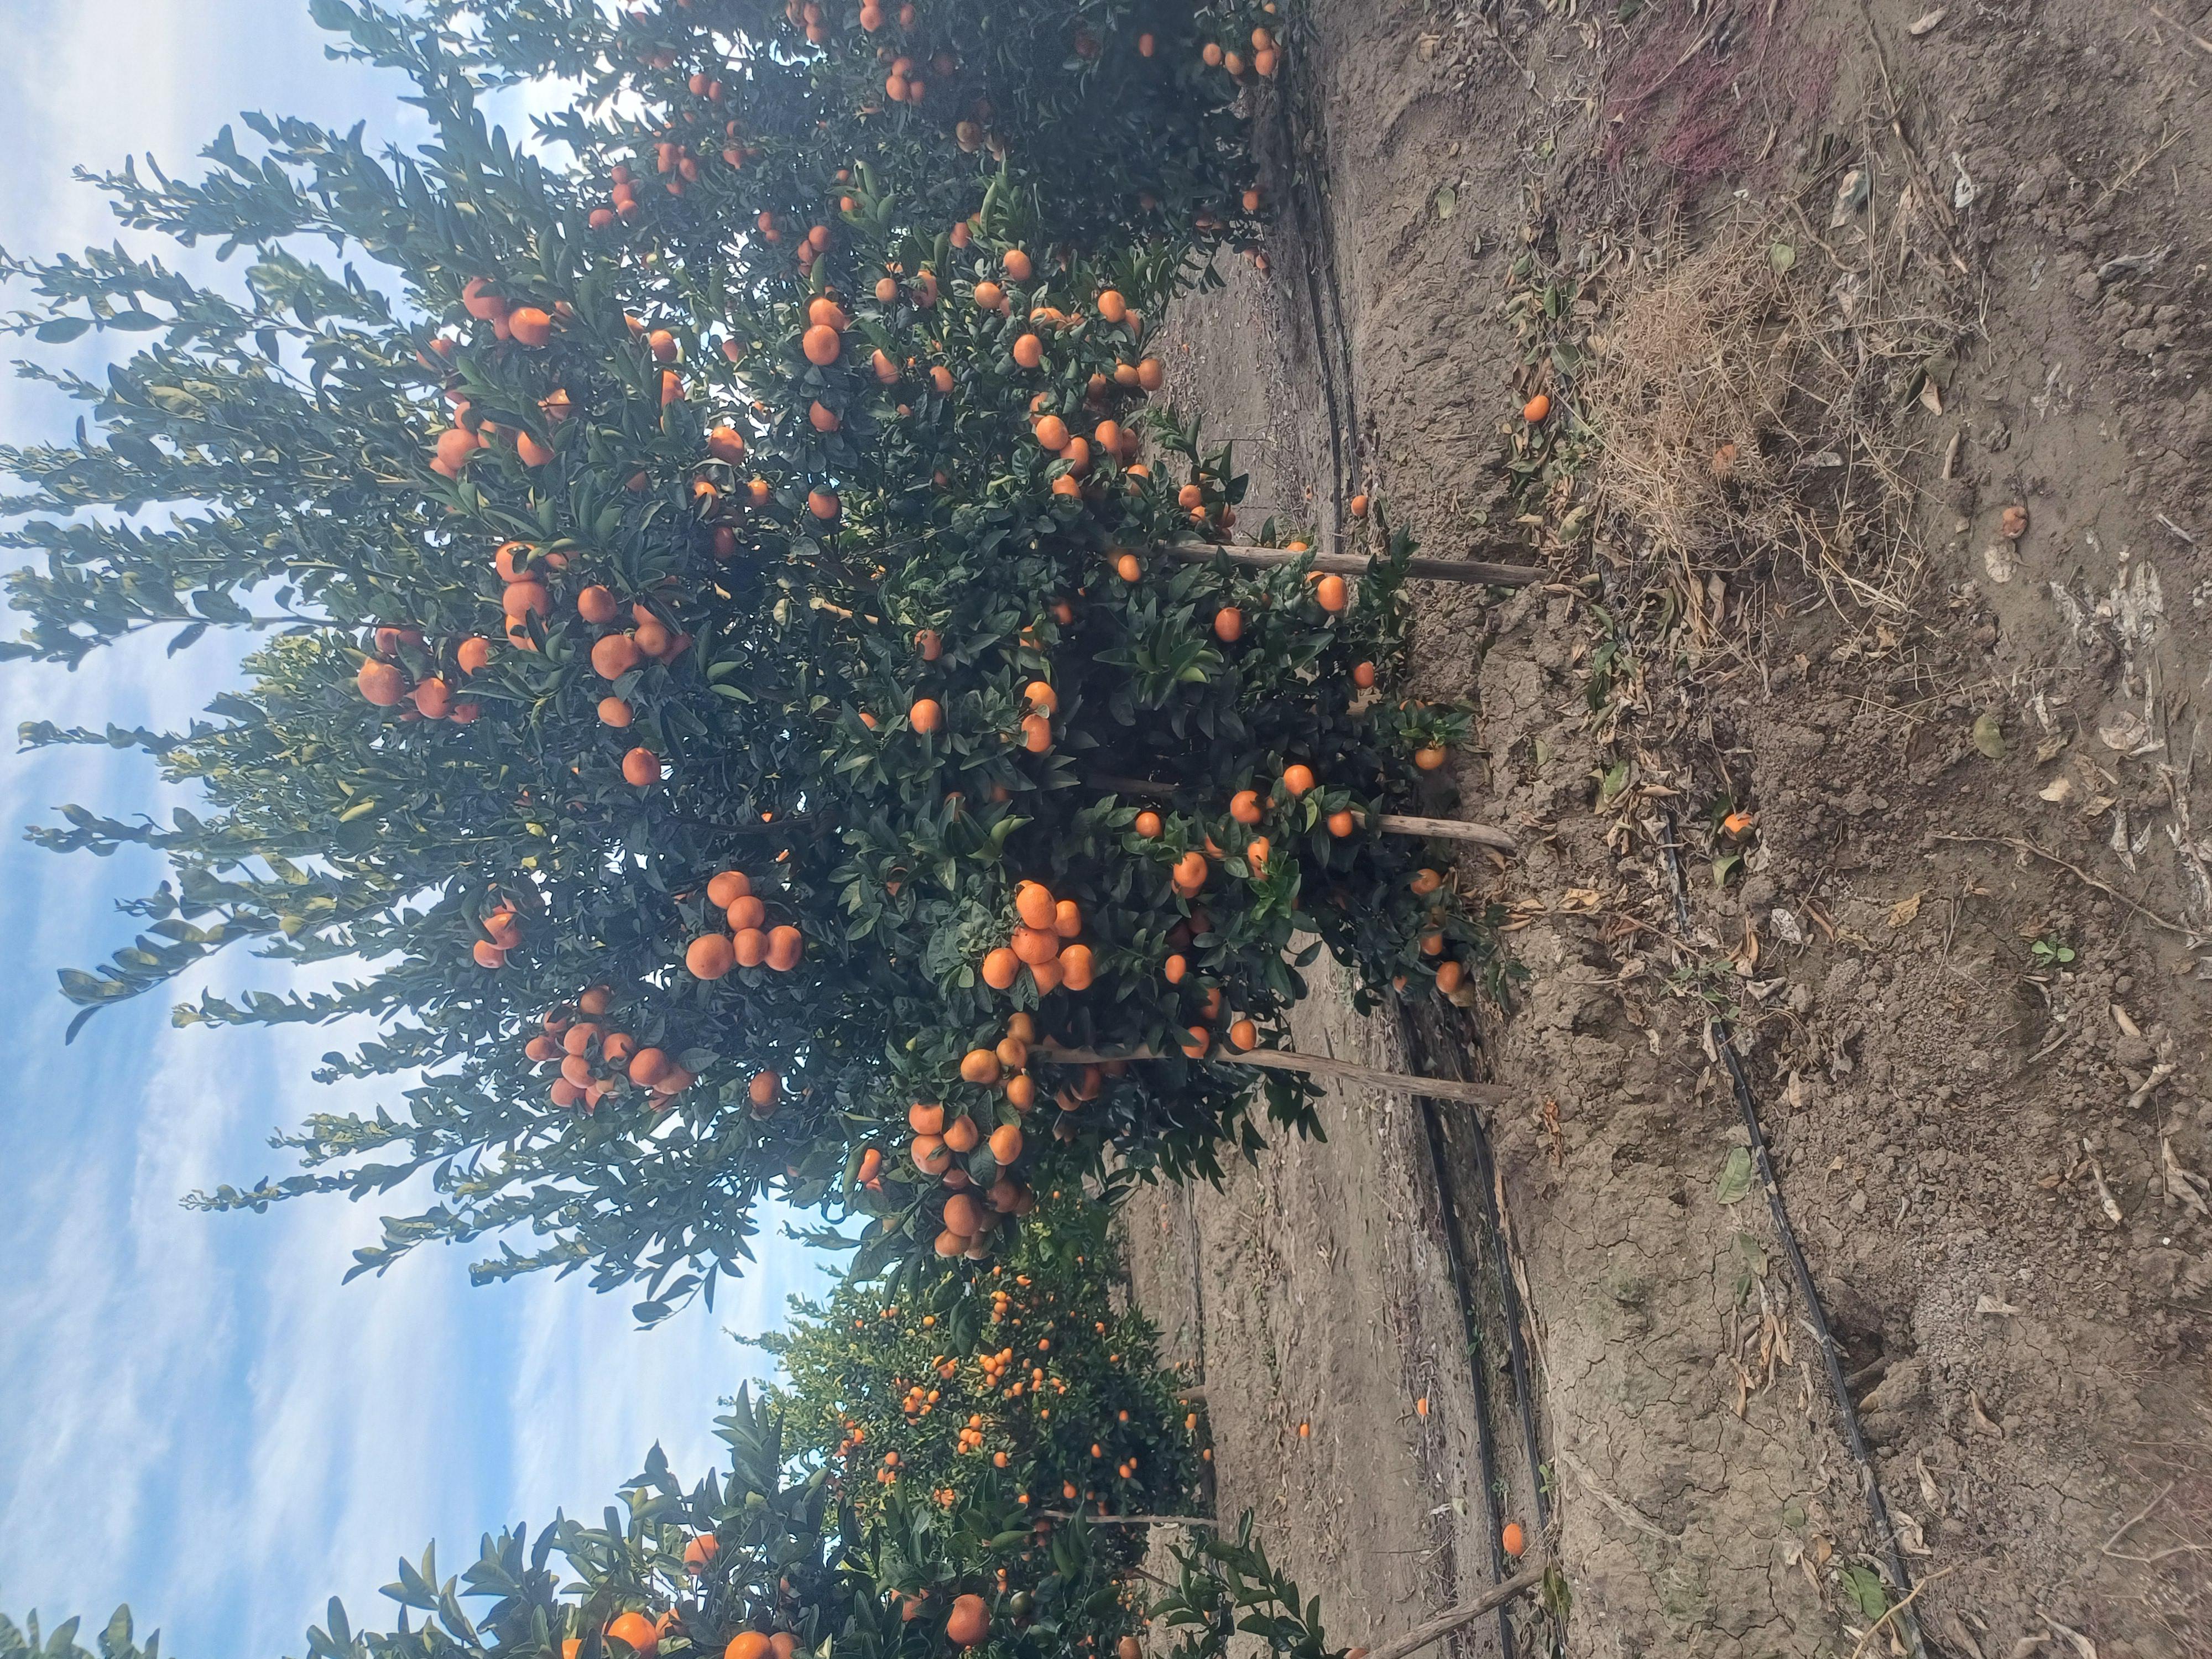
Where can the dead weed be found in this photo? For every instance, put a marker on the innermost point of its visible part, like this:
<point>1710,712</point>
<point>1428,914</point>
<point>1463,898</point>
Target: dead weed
<point>1757,419</point>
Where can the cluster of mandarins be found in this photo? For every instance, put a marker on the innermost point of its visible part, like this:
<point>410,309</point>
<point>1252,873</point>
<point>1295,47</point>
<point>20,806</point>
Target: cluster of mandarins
<point>530,326</point>
<point>383,678</point>
<point>1228,56</point>
<point>975,1168</point>
<point>1045,944</point>
<point>589,1058</point>
<point>751,942</point>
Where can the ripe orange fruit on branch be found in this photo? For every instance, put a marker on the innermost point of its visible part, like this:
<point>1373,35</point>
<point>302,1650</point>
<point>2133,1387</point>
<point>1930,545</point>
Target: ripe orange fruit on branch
<point>726,887</point>
<point>823,344</point>
<point>785,946</point>
<point>1428,759</point>
<point>1229,624</point>
<point>926,714</point>
<point>641,766</point>
<point>1033,903</point>
<point>1244,806</point>
<point>1298,778</point>
<point>615,656</point>
<point>381,682</point>
<point>1148,825</point>
<point>636,1632</point>
<point>1329,592</point>
<point>1001,967</point>
<point>1029,351</point>
<point>980,1066</point>
<point>711,956</point>
<point>971,1623</point>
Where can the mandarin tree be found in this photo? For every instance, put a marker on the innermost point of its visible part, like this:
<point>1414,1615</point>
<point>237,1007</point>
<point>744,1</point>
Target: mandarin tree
<point>759,1564</point>
<point>735,703</point>
<point>1024,1383</point>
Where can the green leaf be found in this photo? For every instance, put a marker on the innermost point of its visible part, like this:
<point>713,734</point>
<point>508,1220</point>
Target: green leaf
<point>1735,1177</point>
<point>1988,735</point>
<point>62,330</point>
<point>1864,1587</point>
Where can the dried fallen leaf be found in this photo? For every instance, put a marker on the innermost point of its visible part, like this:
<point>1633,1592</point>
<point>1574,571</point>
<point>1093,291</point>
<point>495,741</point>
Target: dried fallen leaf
<point>1902,913</point>
<point>1982,1418</point>
<point>2000,561</point>
<point>2081,1644</point>
<point>1850,196</point>
<point>1926,22</point>
<point>2056,791</point>
<point>1987,1303</point>
<point>2126,732</point>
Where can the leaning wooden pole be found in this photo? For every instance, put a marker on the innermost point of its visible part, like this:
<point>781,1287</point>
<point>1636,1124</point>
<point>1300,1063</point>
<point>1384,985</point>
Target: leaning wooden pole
<point>1482,834</point>
<point>1394,824</point>
<point>1445,1622</point>
<point>1282,1060</point>
<point>1480,571</point>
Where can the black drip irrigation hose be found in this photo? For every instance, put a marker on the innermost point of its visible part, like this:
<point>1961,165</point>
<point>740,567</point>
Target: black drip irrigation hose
<point>1309,198</point>
<point>1517,1346</point>
<point>1716,1029</point>
<point>1486,1441</point>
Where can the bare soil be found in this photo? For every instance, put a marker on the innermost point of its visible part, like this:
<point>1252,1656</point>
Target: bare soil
<point>1961,935</point>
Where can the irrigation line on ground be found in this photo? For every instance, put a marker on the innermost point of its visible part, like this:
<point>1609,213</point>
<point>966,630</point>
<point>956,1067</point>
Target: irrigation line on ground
<point>1485,1441</point>
<point>1716,1029</point>
<point>1512,1313</point>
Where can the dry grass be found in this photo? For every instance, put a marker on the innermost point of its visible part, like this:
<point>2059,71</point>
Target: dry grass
<point>1756,421</point>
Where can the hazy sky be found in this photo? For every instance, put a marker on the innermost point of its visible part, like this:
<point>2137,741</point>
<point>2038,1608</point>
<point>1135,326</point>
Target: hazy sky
<point>199,1419</point>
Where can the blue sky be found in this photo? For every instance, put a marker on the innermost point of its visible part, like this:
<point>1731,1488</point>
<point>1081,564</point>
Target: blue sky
<point>201,1420</point>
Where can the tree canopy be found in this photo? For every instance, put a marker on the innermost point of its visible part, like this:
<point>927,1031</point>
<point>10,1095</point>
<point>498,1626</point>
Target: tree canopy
<point>739,678</point>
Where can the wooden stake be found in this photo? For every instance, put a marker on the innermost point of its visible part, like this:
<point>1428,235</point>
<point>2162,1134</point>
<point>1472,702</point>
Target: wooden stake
<point>1394,824</point>
<point>1445,1622</point>
<point>1358,564</point>
<point>1282,1060</point>
<point>1482,834</point>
